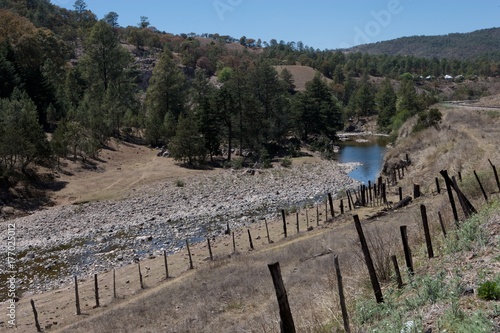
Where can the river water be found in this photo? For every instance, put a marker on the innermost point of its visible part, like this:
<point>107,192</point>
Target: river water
<point>370,154</point>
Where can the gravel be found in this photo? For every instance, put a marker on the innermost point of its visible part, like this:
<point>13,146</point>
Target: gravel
<point>56,243</point>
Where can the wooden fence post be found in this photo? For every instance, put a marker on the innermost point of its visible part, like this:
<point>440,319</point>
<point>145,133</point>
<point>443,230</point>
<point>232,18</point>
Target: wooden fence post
<point>368,259</point>
<point>77,297</point>
<point>190,257</point>
<point>467,206</point>
<point>416,191</point>
<point>96,291</point>
<point>341,206</point>
<point>363,196</point>
<point>166,264</point>
<point>326,209</point>
<point>141,282</point>
<point>496,174</point>
<point>442,224</point>
<point>250,239</point>
<point>343,307</point>
<point>114,284</point>
<point>406,248</point>
<point>297,221</point>
<point>370,190</point>
<point>384,193</point>
<point>317,215</point>
<point>210,250</point>
<point>234,244</point>
<point>396,270</point>
<point>427,232</point>
<point>267,232</point>
<point>331,205</point>
<point>37,324</point>
<point>307,218</point>
<point>447,181</point>
<point>481,186</point>
<point>284,221</point>
<point>438,188</point>
<point>287,324</point>
<point>400,190</point>
<point>349,199</point>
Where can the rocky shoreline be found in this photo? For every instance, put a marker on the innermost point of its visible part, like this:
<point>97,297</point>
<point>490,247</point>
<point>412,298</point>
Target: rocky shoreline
<point>54,244</point>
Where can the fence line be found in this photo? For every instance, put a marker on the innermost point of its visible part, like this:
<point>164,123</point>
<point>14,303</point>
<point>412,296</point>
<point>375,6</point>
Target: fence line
<point>364,197</point>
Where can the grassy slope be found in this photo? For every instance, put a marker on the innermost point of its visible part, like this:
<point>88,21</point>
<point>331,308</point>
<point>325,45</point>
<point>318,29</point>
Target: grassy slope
<point>236,294</point>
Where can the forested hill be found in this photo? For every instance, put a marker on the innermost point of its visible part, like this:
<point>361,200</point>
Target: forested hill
<point>70,82</point>
<point>470,45</point>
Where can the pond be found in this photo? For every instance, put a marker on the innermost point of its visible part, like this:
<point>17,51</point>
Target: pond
<point>370,153</point>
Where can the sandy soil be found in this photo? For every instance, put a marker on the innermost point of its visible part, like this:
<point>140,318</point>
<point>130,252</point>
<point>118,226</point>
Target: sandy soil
<point>122,168</point>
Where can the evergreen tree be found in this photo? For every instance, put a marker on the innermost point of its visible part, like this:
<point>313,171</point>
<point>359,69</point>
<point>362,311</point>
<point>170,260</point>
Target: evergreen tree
<point>385,103</point>
<point>188,145</point>
<point>22,139</point>
<point>166,93</point>
<point>362,101</point>
<point>317,110</point>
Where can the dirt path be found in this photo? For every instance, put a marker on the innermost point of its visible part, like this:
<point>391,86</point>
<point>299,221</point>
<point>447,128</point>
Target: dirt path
<point>117,174</point>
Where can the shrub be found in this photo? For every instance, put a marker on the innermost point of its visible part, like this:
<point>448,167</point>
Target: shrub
<point>180,183</point>
<point>286,162</point>
<point>489,290</point>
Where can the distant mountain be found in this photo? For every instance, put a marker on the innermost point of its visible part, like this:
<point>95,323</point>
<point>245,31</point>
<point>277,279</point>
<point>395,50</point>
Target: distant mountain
<point>454,46</point>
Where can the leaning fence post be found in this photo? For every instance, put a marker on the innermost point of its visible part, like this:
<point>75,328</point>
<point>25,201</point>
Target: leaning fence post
<point>427,233</point>
<point>447,181</point>
<point>96,291</point>
<point>284,221</point>
<point>368,259</point>
<point>141,283</point>
<point>250,239</point>
<point>396,269</point>
<point>481,186</point>
<point>442,224</point>
<point>210,250</point>
<point>267,231</point>
<point>190,257</point>
<point>77,297</point>
<point>330,200</point>
<point>496,174</point>
<point>37,324</point>
<point>348,193</point>
<point>287,325</point>
<point>406,248</point>
<point>343,307</point>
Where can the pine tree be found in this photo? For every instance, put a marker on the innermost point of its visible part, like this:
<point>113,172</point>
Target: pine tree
<point>188,145</point>
<point>385,104</point>
<point>166,93</point>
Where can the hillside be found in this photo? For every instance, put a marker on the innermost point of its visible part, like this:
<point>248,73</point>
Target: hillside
<point>301,75</point>
<point>452,46</point>
<point>234,292</point>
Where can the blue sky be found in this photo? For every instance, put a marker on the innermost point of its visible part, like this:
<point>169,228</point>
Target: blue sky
<point>322,24</point>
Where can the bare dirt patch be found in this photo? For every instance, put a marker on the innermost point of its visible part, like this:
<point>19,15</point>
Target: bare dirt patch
<point>121,168</point>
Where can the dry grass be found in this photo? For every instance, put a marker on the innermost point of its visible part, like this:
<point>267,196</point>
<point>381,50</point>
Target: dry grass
<point>235,294</point>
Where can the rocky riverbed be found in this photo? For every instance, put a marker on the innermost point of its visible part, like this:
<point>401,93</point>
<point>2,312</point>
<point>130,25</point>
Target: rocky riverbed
<point>54,244</point>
